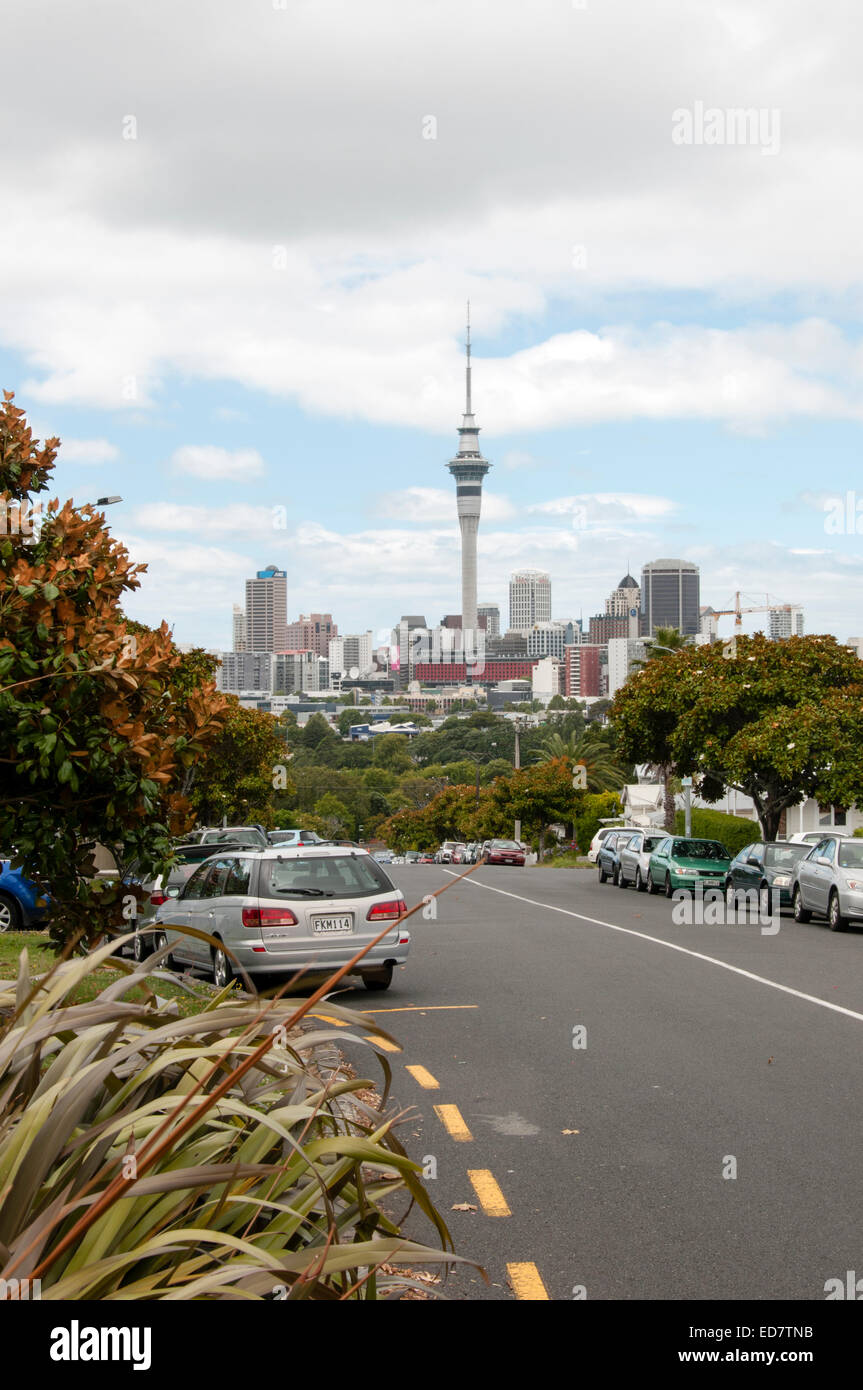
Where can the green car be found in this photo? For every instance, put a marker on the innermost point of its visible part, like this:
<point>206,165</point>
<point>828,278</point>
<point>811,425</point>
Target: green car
<point>681,863</point>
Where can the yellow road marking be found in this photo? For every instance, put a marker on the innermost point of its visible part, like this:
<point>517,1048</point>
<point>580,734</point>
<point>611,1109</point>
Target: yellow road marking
<point>491,1199</point>
<point>419,1008</point>
<point>450,1118</point>
<point>425,1078</point>
<point>328,1018</point>
<point>526,1281</point>
<point>383,1043</point>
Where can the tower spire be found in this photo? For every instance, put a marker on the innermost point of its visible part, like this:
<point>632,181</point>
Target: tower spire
<point>468,410</point>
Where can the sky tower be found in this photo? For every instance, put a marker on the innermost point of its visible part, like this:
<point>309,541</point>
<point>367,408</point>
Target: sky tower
<point>468,468</point>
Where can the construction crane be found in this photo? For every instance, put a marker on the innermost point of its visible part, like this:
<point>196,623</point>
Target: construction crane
<point>738,612</point>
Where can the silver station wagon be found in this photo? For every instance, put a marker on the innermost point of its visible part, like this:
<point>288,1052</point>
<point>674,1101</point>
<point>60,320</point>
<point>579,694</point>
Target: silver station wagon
<point>284,910</point>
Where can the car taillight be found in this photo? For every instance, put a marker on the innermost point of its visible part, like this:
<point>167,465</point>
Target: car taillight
<point>379,912</point>
<point>268,917</point>
<point>158,898</point>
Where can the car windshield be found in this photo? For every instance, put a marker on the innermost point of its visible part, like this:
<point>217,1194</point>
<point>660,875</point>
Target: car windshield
<point>699,849</point>
<point>651,841</point>
<point>234,837</point>
<point>851,854</point>
<point>783,856</point>
<point>505,844</point>
<point>330,876</point>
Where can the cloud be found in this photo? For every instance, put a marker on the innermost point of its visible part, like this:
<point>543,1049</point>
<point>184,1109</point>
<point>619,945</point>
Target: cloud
<point>87,451</point>
<point>239,520</point>
<point>211,462</point>
<point>428,504</point>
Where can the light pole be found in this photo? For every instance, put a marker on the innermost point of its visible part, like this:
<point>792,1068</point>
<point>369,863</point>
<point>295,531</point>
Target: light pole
<point>517,726</point>
<point>105,501</point>
<point>686,781</point>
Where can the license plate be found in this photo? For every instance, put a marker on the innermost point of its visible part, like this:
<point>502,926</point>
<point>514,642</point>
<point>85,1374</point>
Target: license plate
<point>712,882</point>
<point>327,926</point>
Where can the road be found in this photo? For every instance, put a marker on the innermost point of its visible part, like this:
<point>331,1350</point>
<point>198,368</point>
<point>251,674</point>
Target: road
<point>603,1072</point>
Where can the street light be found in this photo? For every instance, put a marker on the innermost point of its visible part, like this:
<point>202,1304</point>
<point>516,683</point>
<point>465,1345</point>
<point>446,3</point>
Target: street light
<point>686,781</point>
<point>105,501</point>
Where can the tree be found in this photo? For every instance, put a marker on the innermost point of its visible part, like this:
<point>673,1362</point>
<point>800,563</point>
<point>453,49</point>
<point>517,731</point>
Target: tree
<point>603,771</point>
<point>391,752</point>
<point>243,771</point>
<point>665,642</point>
<point>100,718</point>
<point>778,721</point>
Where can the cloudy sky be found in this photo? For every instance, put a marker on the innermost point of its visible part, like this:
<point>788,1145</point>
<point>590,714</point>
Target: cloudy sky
<point>238,236</point>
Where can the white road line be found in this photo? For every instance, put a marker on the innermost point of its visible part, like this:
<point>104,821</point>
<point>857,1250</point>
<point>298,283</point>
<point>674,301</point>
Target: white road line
<point>671,946</point>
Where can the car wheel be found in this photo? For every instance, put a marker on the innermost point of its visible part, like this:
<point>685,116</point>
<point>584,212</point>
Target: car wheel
<point>138,949</point>
<point>800,912</point>
<point>602,874</point>
<point>621,878</point>
<point>835,920</point>
<point>378,979</point>
<point>159,942</point>
<point>221,967</point>
<point>669,891</point>
<point>639,881</point>
<point>651,886</point>
<point>10,914</point>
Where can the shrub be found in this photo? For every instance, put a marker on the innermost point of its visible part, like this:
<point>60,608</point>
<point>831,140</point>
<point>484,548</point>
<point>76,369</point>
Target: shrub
<point>733,831</point>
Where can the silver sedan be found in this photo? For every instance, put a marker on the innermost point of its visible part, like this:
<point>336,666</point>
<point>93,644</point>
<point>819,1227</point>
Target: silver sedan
<point>635,856</point>
<point>829,883</point>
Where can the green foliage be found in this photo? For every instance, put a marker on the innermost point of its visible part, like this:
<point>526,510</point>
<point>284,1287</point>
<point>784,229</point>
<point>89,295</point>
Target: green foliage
<point>732,831</point>
<point>244,775</point>
<point>779,721</point>
<point>101,719</point>
<point>593,810</point>
<point>146,1156</point>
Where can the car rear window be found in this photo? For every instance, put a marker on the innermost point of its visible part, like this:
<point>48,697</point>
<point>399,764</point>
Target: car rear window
<point>505,844</point>
<point>332,876</point>
<point>783,856</point>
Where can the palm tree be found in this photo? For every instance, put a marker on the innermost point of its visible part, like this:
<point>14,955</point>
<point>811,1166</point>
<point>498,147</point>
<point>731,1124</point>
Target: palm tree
<point>666,640</point>
<point>604,772</point>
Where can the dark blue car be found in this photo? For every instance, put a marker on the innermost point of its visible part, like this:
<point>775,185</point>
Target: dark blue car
<point>20,900</point>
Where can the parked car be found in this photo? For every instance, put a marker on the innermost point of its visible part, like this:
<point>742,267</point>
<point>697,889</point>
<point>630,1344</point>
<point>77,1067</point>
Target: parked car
<point>427,858</point>
<point>459,854</point>
<point>765,866</point>
<point>224,834</point>
<point>284,910</point>
<point>607,858</point>
<point>505,852</point>
<point>157,891</point>
<point>681,863</point>
<point>634,858</point>
<point>829,882</point>
<point>294,837</point>
<point>812,837</point>
<point>413,856</point>
<point>22,906</point>
<point>445,853</point>
<point>599,837</point>
<point>383,856</point>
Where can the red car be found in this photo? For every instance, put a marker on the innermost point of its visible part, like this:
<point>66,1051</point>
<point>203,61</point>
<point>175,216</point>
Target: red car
<point>505,852</point>
<point>426,859</point>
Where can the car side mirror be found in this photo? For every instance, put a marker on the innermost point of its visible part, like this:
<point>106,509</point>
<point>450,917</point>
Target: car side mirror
<point>756,863</point>
<point>822,859</point>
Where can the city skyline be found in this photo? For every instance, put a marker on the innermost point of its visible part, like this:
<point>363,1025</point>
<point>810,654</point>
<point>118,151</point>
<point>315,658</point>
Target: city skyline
<point>267,381</point>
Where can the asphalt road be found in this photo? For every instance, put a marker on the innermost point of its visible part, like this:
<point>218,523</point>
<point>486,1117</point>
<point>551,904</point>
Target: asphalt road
<point>611,1074</point>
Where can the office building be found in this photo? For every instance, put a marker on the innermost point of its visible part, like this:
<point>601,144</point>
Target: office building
<point>785,622</point>
<point>351,653</point>
<point>529,599</point>
<point>246,671</point>
<point>313,633</point>
<point>623,653</point>
<point>491,613</point>
<point>670,597</point>
<point>267,611</point>
<point>238,632</point>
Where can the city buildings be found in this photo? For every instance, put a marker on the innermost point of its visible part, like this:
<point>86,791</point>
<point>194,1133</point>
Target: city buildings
<point>550,639</point>
<point>491,613</point>
<point>238,642</point>
<point>623,653</point>
<point>785,622</point>
<point>585,670</point>
<point>469,469</point>
<point>267,611</point>
<point>245,671</point>
<point>529,599</point>
<point>313,633</point>
<point>670,596</point>
<point>351,654</point>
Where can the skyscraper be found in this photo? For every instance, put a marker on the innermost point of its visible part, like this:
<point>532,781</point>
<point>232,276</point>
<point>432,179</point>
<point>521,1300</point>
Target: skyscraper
<point>267,611</point>
<point>529,599</point>
<point>785,623</point>
<point>670,596</point>
<point>238,639</point>
<point>491,613</point>
<point>468,468</point>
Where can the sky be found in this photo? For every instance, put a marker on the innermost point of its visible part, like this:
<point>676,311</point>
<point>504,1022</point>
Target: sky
<point>237,241</point>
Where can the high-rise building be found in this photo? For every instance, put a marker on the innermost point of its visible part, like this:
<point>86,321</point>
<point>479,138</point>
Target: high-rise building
<point>295,672</point>
<point>352,652</point>
<point>469,469</point>
<point>238,636</point>
<point>550,639</point>
<point>313,633</point>
<point>785,622</point>
<point>267,611</point>
<point>624,599</point>
<point>401,646</point>
<point>670,596</point>
<point>529,599</point>
<point>623,652</point>
<point>491,613</point>
<point>584,669</point>
<point>246,671</point>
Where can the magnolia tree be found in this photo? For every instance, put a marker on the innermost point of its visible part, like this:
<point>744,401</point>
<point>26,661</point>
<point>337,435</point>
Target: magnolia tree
<point>100,718</point>
<point>779,721</point>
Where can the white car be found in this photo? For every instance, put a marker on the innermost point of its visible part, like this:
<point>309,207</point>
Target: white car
<point>599,837</point>
<point>812,837</point>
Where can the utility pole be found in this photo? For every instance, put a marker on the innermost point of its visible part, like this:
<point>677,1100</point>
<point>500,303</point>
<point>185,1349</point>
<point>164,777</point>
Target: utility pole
<point>517,835</point>
<point>687,806</point>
